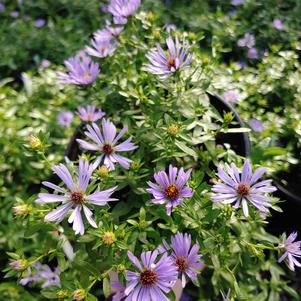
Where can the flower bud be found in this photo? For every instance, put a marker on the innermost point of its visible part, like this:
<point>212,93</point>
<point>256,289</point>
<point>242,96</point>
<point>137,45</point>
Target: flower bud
<point>61,294</point>
<point>19,265</point>
<point>21,210</point>
<point>108,238</point>
<point>135,165</point>
<point>34,142</point>
<point>79,294</point>
<point>173,130</point>
<point>228,117</point>
<point>103,171</point>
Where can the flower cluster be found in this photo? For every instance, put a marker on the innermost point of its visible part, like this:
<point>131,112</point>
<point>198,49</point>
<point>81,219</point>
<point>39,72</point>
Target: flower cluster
<point>43,274</point>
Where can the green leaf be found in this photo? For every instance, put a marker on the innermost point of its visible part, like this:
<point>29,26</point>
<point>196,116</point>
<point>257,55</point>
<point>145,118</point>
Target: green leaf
<point>106,286</point>
<point>186,149</point>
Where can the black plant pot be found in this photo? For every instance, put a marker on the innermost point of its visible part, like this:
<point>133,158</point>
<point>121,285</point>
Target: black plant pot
<point>239,142</point>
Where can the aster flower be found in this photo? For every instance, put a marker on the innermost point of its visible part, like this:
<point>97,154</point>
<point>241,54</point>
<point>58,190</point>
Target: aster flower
<point>237,2</point>
<point>170,188</point>
<point>31,277</point>
<point>118,289</point>
<point>243,187</point>
<point>105,141</point>
<point>247,41</point>
<point>277,23</point>
<point>40,22</point>
<point>50,277</point>
<point>231,96</point>
<point>170,27</point>
<point>164,64</point>
<point>154,279</point>
<point>255,125</point>
<point>74,196</point>
<point>185,256</point>
<point>81,70</point>
<point>252,53</point>
<point>101,48</point>
<point>122,9</point>
<point>64,118</point>
<point>292,251</point>
<point>14,14</point>
<point>2,8</point>
<point>45,63</point>
<point>90,113</point>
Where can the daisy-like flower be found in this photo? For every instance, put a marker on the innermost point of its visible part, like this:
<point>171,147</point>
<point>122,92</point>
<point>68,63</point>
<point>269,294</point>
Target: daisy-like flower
<point>165,63</point>
<point>118,289</point>
<point>252,53</point>
<point>292,250</point>
<point>40,22</point>
<point>74,196</point>
<point>101,48</point>
<point>105,141</point>
<point>231,96</point>
<point>50,277</point>
<point>108,33</point>
<point>122,9</point>
<point>185,256</point>
<point>81,70</point>
<point>154,278</point>
<point>64,118</point>
<point>31,277</point>
<point>237,2</point>
<point>247,41</point>
<point>277,23</point>
<point>243,187</point>
<point>90,113</point>
<point>255,125</point>
<point>170,188</point>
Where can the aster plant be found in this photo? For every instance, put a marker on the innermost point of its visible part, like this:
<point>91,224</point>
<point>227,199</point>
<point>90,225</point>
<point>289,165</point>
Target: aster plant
<point>243,188</point>
<point>170,189</point>
<point>74,196</point>
<point>105,142</point>
<point>154,278</point>
<point>166,63</point>
<point>90,113</point>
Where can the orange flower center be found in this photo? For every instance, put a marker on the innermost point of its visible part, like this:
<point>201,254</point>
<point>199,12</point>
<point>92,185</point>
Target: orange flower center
<point>148,277</point>
<point>181,262</point>
<point>171,192</point>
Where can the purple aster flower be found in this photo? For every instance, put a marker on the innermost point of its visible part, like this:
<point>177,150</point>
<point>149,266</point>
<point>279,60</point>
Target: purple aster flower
<point>170,188</point>
<point>154,278</point>
<point>292,250</point>
<point>45,63</point>
<point>64,118</point>
<point>90,113</point>
<point>122,9</point>
<point>247,41</point>
<point>50,277</point>
<point>243,187</point>
<point>231,96</point>
<point>185,256</point>
<point>14,14</point>
<point>106,143</point>
<point>18,265</point>
<point>256,125</point>
<point>102,48</point>
<point>74,196</point>
<point>237,2</point>
<point>164,64</point>
<point>115,31</point>
<point>277,23</point>
<point>252,53</point>
<point>40,22</point>
<point>118,289</point>
<point>81,70</point>
<point>2,8</point>
<point>31,277</point>
<point>226,297</point>
<point>170,27</point>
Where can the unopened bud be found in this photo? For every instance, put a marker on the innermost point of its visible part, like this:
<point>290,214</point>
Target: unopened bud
<point>135,165</point>
<point>34,142</point>
<point>61,294</point>
<point>21,210</point>
<point>79,294</point>
<point>108,238</point>
<point>19,265</point>
<point>103,171</point>
<point>173,130</point>
<point>228,117</point>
